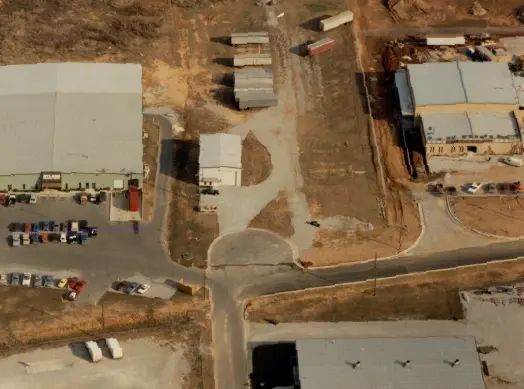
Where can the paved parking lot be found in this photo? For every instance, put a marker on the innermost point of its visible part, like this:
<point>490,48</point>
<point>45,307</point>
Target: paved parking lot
<point>145,365</point>
<point>116,253</point>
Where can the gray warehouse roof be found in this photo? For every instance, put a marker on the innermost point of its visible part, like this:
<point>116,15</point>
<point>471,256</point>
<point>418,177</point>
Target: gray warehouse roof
<point>220,150</point>
<point>71,117</point>
<point>461,82</point>
<point>439,127</point>
<point>330,363</point>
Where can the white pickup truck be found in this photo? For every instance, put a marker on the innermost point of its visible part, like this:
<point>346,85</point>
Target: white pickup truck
<point>473,188</point>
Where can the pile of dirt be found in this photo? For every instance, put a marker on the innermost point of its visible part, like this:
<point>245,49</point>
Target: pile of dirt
<point>197,3</point>
<point>406,9</point>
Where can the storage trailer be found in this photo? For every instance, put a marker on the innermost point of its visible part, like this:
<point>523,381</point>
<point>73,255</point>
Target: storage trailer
<point>320,46</point>
<point>445,40</point>
<point>256,99</point>
<point>241,60</point>
<point>114,348</point>
<point>245,38</point>
<point>252,73</point>
<point>253,84</point>
<point>94,351</point>
<point>133,196</point>
<point>337,20</point>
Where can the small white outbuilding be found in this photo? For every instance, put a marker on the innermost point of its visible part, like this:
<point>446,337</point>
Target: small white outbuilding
<point>220,160</point>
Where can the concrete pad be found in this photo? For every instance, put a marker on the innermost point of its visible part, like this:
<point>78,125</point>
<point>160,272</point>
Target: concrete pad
<point>146,364</point>
<point>250,247</point>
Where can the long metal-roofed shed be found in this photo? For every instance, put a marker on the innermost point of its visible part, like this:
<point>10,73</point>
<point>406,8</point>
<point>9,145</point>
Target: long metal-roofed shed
<point>383,363</point>
<point>220,160</point>
<point>80,123</point>
<point>404,93</point>
<point>448,84</point>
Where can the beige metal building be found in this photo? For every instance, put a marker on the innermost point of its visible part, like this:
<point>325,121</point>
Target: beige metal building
<point>463,107</point>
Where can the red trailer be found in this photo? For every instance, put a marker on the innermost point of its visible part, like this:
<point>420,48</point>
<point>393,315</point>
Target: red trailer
<point>320,46</point>
<point>134,199</point>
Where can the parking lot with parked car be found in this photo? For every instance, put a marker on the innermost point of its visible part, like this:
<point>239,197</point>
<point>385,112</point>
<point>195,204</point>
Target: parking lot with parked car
<point>119,252</point>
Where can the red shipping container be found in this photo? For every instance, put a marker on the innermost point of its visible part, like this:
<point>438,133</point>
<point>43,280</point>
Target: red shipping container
<point>134,199</point>
<point>320,46</point>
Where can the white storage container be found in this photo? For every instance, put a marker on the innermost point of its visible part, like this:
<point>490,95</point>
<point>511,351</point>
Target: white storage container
<point>94,351</point>
<point>337,20</point>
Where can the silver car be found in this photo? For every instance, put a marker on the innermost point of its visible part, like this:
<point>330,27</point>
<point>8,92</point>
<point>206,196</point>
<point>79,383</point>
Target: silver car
<point>15,239</point>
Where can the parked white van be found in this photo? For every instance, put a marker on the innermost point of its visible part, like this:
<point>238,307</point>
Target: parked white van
<point>514,161</point>
<point>94,351</point>
<point>114,348</point>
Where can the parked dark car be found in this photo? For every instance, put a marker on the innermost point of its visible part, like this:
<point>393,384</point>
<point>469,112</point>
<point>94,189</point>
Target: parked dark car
<point>35,227</point>
<point>72,237</point>
<point>101,197</point>
<point>63,227</point>
<point>35,238</point>
<point>91,231</point>
<point>82,224</point>
<point>22,198</point>
<point>45,226</point>
<point>451,190</point>
<point>49,281</point>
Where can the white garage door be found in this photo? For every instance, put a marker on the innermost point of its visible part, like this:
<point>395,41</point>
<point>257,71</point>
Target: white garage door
<point>118,184</point>
<point>229,177</point>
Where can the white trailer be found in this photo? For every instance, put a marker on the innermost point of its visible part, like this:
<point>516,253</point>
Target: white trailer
<point>114,348</point>
<point>253,84</point>
<point>445,40</point>
<point>246,38</point>
<point>241,60</point>
<point>94,351</point>
<point>252,73</point>
<point>337,20</point>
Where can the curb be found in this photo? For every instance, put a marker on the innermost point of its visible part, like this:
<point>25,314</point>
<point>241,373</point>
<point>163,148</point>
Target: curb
<point>456,220</point>
<point>247,300</point>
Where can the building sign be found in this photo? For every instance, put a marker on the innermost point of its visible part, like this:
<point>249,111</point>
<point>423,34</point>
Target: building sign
<point>51,177</point>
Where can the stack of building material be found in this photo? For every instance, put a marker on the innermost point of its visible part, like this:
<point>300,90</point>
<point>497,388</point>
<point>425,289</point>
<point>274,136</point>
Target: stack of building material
<point>246,38</point>
<point>254,88</point>
<point>251,59</point>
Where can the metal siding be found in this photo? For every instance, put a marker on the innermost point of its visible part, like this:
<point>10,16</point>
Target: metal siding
<point>220,150</point>
<point>488,82</point>
<point>257,102</point>
<point>404,93</point>
<point>328,363</point>
<point>17,181</point>
<point>98,133</point>
<point>44,130</point>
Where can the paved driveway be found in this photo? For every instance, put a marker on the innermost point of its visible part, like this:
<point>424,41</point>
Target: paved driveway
<point>250,247</point>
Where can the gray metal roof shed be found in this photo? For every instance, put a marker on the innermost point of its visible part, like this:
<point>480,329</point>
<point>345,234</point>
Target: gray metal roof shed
<point>461,82</point>
<point>404,93</point>
<point>330,363</point>
<point>71,117</point>
<point>220,150</point>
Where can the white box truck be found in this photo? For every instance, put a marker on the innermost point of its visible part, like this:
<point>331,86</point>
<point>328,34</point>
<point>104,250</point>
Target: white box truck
<point>114,348</point>
<point>337,20</point>
<point>94,351</point>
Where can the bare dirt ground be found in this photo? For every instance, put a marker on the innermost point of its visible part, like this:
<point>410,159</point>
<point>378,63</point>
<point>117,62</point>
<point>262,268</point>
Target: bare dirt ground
<point>37,317</point>
<point>423,296</point>
<point>275,217</point>
<point>256,161</point>
<point>382,14</point>
<point>503,216</point>
<point>151,143</point>
<point>332,247</point>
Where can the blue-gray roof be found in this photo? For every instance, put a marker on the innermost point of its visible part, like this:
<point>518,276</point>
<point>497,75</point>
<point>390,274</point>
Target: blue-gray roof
<point>71,117</point>
<point>330,363</point>
<point>404,93</point>
<point>439,127</point>
<point>461,82</point>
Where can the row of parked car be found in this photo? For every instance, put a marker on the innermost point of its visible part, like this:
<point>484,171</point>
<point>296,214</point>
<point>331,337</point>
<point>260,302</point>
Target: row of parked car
<point>478,188</point>
<point>71,231</point>
<point>11,199</point>
<point>39,281</point>
<point>131,287</point>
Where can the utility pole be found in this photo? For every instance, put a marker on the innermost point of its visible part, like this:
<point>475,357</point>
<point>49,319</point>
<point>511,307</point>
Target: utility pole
<point>375,275</point>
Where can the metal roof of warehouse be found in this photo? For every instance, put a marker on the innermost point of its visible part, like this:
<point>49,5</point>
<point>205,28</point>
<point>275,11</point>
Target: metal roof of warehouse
<point>220,150</point>
<point>71,117</point>
<point>330,363</point>
<point>461,82</point>
<point>462,125</point>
